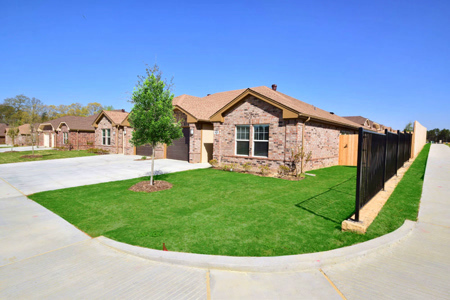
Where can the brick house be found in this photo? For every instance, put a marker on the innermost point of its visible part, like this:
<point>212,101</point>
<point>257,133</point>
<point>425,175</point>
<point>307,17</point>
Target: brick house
<point>24,138</point>
<point>73,132</point>
<point>113,132</point>
<point>257,125</point>
<point>261,126</point>
<point>369,124</point>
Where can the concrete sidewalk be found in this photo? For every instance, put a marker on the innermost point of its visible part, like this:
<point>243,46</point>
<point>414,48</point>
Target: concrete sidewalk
<point>69,265</point>
<point>25,148</point>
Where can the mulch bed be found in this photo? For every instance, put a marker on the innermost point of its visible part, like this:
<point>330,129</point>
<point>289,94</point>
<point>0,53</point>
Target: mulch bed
<point>31,156</point>
<point>144,186</point>
<point>273,175</point>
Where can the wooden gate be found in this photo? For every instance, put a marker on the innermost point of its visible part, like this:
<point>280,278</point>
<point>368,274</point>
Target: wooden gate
<point>348,150</point>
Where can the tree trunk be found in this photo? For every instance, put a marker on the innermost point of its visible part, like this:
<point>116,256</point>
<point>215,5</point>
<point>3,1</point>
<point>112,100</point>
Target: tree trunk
<point>153,165</point>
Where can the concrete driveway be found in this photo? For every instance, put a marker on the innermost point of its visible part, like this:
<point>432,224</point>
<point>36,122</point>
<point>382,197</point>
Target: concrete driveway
<point>26,148</point>
<point>38,176</point>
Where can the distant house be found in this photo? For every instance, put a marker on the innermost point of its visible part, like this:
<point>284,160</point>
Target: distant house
<point>3,127</point>
<point>369,124</point>
<point>24,138</point>
<point>113,132</point>
<point>73,132</point>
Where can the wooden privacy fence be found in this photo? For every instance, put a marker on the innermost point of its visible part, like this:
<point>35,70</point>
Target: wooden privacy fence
<point>348,150</point>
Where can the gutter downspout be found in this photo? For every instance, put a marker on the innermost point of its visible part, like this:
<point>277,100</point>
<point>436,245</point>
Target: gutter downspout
<point>303,142</point>
<point>78,140</point>
<point>123,141</point>
<point>117,139</point>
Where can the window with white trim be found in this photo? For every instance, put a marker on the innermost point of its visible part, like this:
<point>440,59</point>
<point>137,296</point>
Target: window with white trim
<point>242,139</point>
<point>261,140</point>
<point>106,137</point>
<point>65,137</point>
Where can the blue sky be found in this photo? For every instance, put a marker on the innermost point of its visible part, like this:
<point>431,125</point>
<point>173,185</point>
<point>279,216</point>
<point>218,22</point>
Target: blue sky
<point>385,60</point>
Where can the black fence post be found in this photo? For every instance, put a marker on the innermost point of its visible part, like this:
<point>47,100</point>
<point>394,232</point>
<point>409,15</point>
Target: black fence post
<point>358,172</point>
<point>385,158</point>
<point>397,158</point>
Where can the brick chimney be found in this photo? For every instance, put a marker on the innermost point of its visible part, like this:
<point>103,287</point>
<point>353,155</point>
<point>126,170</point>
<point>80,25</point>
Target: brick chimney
<point>274,87</point>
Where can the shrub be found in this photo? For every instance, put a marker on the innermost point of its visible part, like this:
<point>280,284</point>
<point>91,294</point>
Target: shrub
<point>213,162</point>
<point>264,169</point>
<point>247,167</point>
<point>232,167</point>
<point>283,170</point>
<point>144,157</point>
<point>226,167</point>
<point>97,151</point>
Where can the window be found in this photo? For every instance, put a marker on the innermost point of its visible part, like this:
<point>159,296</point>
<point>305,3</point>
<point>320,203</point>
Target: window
<point>242,139</point>
<point>65,137</point>
<point>106,137</point>
<point>261,140</point>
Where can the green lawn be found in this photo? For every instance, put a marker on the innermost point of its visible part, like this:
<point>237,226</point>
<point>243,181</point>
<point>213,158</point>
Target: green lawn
<point>13,157</point>
<point>217,212</point>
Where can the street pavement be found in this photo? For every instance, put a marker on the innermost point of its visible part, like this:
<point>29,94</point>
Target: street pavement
<point>43,256</point>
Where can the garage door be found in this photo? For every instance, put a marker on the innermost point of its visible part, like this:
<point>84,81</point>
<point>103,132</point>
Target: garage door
<point>180,148</point>
<point>145,150</point>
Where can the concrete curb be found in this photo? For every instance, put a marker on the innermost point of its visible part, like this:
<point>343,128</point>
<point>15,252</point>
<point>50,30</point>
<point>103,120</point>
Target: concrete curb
<point>266,264</point>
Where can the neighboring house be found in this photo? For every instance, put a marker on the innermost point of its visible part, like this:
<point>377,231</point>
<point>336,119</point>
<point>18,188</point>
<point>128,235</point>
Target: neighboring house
<point>369,124</point>
<point>113,132</point>
<point>73,132</point>
<point>3,127</point>
<point>261,126</point>
<point>24,137</point>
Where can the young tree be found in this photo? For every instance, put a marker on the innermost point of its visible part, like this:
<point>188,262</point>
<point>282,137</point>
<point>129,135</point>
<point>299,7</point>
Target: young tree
<point>13,133</point>
<point>152,115</point>
<point>35,108</point>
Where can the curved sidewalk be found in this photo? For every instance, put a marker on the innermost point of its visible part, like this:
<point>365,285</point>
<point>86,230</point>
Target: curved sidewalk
<point>411,263</point>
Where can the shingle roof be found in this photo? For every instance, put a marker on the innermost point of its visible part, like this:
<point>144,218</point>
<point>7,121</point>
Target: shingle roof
<point>115,116</point>
<point>79,123</point>
<point>74,122</point>
<point>204,108</point>
<point>358,119</point>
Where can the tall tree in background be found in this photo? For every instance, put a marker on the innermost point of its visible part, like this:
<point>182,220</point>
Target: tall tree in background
<point>19,105</point>
<point>152,114</point>
<point>409,127</point>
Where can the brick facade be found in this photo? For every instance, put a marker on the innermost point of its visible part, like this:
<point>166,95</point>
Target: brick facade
<point>284,136</point>
<point>77,140</point>
<point>120,139</point>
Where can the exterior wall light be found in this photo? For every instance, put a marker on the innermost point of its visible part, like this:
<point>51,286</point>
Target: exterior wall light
<point>192,131</point>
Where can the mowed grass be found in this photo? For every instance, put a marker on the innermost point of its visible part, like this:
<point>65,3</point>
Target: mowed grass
<point>224,213</point>
<point>13,157</point>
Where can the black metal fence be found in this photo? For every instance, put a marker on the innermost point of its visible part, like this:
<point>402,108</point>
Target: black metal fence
<point>379,158</point>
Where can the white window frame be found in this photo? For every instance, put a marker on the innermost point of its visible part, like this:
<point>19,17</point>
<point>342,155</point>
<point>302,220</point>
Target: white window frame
<point>65,138</point>
<point>241,140</point>
<point>106,139</point>
<point>255,140</point>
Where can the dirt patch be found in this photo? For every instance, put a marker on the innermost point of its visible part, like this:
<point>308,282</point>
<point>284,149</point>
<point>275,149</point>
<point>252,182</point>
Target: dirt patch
<point>144,186</point>
<point>31,156</point>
